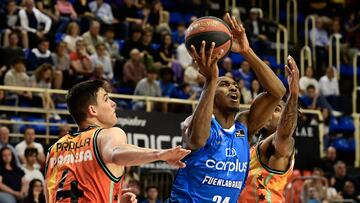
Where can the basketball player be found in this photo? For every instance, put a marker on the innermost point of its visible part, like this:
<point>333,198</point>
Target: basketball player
<point>272,159</point>
<point>217,167</point>
<point>88,165</point>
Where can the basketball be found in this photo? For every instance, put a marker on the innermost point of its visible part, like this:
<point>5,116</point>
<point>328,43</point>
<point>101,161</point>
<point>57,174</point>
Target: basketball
<point>210,29</point>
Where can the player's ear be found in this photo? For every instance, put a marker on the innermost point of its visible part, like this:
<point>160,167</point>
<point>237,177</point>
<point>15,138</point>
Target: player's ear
<point>92,110</point>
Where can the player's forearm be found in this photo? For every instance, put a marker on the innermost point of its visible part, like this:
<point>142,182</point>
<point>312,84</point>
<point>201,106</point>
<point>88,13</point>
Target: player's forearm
<point>130,155</point>
<point>265,75</point>
<point>199,128</point>
<point>288,119</point>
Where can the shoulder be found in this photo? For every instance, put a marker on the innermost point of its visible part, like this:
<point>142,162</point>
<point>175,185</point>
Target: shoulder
<point>111,134</point>
<point>241,117</point>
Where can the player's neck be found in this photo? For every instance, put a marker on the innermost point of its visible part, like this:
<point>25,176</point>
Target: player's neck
<point>88,123</point>
<point>225,119</point>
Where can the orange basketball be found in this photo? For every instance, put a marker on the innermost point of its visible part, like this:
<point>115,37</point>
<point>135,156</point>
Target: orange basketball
<point>210,29</point>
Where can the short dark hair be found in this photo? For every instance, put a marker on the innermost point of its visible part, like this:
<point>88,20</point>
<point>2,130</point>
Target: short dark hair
<point>43,39</point>
<point>310,87</point>
<point>151,187</point>
<point>82,95</point>
<point>18,60</point>
<point>31,151</point>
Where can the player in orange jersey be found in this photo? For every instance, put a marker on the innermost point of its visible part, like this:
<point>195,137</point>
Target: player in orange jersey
<point>88,165</point>
<point>272,158</point>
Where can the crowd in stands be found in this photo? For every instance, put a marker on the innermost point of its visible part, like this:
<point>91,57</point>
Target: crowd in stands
<point>138,47</point>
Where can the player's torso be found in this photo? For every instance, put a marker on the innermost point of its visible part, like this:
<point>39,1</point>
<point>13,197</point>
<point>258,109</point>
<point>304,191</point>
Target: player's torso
<point>75,171</point>
<point>264,185</point>
<point>216,172</point>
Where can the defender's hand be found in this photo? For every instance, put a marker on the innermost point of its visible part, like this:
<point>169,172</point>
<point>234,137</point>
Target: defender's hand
<point>240,42</point>
<point>127,196</point>
<point>293,76</point>
<point>174,156</point>
<point>207,61</point>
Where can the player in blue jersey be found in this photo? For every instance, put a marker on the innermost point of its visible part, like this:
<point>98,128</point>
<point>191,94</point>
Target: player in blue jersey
<point>217,167</point>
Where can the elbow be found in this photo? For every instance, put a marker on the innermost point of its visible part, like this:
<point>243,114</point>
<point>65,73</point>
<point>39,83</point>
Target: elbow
<point>119,159</point>
<point>196,143</point>
<point>280,92</point>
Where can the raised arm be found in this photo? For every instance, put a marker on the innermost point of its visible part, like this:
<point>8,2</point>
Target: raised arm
<point>264,105</point>
<point>199,127</point>
<point>113,147</point>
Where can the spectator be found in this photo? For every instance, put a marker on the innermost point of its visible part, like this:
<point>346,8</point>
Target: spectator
<point>245,73</point>
<point>64,13</point>
<point>13,43</point>
<point>40,55</point>
<point>185,91</point>
<point>179,35</point>
<point>147,51</point>
<point>340,176</point>
<point>308,79</point>
<point>10,22</point>
<point>80,63</point>
<point>134,42</point>
<point>183,56</point>
<point>352,27</point>
<point>3,114</point>
<point>166,82</point>
<point>245,93</point>
<point>159,18</point>
<point>135,188</point>
<point>102,11</point>
<point>29,141</point>
<point>102,60</point>
<point>328,84</point>
<point>17,76</point>
<point>132,173</point>
<point>31,172</point>
<point>134,71</point>
<point>349,192</point>
<point>147,87</point>
<point>192,75</point>
<point>35,192</point>
<point>313,100</point>
<point>129,13</point>
<point>72,35</point>
<point>327,164</point>
<point>152,193</point>
<point>255,89</point>
<point>13,183</point>
<point>61,61</point>
<point>92,37</point>
<point>112,47</point>
<point>32,20</point>
<point>226,66</point>
<point>10,53</point>
<point>4,142</point>
<point>321,43</point>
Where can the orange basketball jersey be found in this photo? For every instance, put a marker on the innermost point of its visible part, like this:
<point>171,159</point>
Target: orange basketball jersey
<point>75,171</point>
<point>264,184</point>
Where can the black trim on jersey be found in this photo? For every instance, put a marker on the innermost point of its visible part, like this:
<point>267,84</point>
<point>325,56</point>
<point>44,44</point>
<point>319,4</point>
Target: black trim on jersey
<point>47,159</point>
<point>100,161</point>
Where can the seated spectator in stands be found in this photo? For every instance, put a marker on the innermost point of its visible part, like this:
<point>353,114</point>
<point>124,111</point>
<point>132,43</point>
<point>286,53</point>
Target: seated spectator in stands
<point>179,34</point>
<point>152,193</point>
<point>13,43</point>
<point>349,192</point>
<point>328,84</point>
<point>192,75</point>
<point>10,23</point>
<point>345,53</point>
<point>321,43</point>
<point>134,42</point>
<point>159,18</point>
<point>129,13</point>
<point>46,7</point>
<point>36,23</point>
<point>13,183</point>
<point>4,142</point>
<point>102,60</point>
<point>185,91</point>
<point>29,141</point>
<point>133,70</point>
<point>245,93</point>
<point>31,172</point>
<point>352,28</point>
<point>64,13</point>
<point>255,89</point>
<point>319,7</point>
<point>10,52</point>
<point>167,57</point>
<point>80,63</point>
<point>40,55</point>
<point>245,74</point>
<point>102,11</point>
<point>313,100</point>
<point>135,187</point>
<point>328,162</point>
<point>147,87</point>
<point>166,82</point>
<point>226,66</point>
<point>72,35</point>
<point>340,176</point>
<point>82,9</point>
<point>112,47</point>
<point>35,192</point>
<point>92,37</point>
<point>17,76</point>
<point>3,114</point>
<point>183,56</point>
<point>256,29</point>
<point>147,51</point>
<point>308,79</point>
<point>61,61</point>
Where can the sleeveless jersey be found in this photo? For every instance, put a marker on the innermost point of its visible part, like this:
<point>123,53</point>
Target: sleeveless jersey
<point>75,171</point>
<point>264,184</point>
<point>217,171</point>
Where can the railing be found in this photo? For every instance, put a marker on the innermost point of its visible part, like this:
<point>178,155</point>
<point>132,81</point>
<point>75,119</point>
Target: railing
<point>337,49</point>
<point>233,4</point>
<point>356,88</point>
<point>260,11</point>
<point>305,54</point>
<point>277,10</point>
<point>281,29</point>
<point>294,16</point>
<point>356,118</point>
<point>311,18</point>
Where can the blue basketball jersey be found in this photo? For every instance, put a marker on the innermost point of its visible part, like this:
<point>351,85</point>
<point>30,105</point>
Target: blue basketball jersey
<point>216,172</point>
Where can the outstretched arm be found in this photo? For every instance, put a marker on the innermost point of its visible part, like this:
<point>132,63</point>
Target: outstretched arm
<point>114,149</point>
<point>264,105</point>
<point>198,131</point>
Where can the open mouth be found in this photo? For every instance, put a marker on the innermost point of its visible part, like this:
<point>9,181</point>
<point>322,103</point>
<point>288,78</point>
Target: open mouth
<point>234,97</point>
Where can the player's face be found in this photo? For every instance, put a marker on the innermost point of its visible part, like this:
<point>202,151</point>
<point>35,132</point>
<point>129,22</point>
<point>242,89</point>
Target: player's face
<point>273,121</point>
<point>227,95</point>
<point>105,108</point>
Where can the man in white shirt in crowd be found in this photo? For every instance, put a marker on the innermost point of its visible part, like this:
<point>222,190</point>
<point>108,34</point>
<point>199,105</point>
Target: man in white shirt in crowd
<point>328,83</point>
<point>30,169</point>
<point>29,141</point>
<point>321,43</point>
<point>308,79</point>
<point>183,56</point>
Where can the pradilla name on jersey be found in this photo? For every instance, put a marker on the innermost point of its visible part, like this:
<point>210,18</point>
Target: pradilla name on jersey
<point>217,171</point>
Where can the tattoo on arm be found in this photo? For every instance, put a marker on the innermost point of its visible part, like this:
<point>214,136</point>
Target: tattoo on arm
<point>288,119</point>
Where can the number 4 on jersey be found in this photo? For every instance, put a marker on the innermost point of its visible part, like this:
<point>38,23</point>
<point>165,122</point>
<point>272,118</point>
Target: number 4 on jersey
<point>218,199</point>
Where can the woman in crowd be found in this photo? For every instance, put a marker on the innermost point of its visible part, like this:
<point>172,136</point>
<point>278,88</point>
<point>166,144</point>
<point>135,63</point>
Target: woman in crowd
<point>35,193</point>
